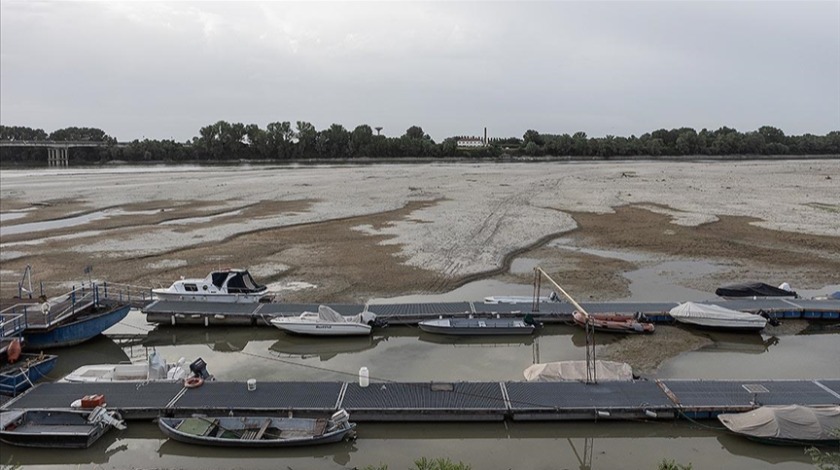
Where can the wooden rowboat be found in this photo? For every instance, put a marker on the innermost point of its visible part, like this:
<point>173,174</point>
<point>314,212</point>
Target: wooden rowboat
<point>251,431</point>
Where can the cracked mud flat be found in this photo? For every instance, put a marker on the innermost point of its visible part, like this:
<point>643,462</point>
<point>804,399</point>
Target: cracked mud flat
<point>358,232</point>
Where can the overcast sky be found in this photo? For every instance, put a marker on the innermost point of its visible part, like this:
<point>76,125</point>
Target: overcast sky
<point>164,69</point>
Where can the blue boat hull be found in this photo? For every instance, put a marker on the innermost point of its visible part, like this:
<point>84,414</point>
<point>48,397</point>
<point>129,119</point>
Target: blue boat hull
<point>77,331</point>
<point>14,381</point>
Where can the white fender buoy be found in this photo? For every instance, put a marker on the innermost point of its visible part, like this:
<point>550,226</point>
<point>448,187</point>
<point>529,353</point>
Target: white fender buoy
<point>364,377</point>
<point>45,308</point>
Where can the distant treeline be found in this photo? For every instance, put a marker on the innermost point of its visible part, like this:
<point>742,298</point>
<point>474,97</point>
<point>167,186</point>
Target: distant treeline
<point>280,141</point>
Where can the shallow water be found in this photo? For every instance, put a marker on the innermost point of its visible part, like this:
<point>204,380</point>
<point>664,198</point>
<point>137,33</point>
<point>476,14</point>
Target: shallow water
<point>67,222</point>
<point>406,354</point>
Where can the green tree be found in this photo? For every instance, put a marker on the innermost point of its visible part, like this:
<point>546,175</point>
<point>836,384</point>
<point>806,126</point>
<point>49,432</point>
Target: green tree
<point>580,145</point>
<point>532,149</point>
<point>306,136</point>
<point>360,140</point>
<point>532,136</point>
<point>280,139</point>
<point>772,135</point>
<point>416,132</point>
<point>333,142</point>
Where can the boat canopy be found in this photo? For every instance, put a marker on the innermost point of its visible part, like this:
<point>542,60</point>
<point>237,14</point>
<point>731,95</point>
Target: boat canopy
<point>572,371</point>
<point>327,314</point>
<point>712,312</point>
<point>241,282</point>
<point>792,422</point>
<point>754,289</point>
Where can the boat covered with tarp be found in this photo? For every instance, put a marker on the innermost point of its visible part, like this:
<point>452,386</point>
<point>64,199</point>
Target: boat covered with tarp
<point>575,371</point>
<point>755,289</point>
<point>717,317</point>
<point>787,425</point>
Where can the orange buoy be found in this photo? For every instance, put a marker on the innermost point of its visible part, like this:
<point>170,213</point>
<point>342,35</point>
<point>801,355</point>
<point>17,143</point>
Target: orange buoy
<point>193,382</point>
<point>13,352</point>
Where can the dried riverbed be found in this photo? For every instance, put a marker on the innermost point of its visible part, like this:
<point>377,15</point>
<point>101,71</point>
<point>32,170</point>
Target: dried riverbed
<point>353,233</point>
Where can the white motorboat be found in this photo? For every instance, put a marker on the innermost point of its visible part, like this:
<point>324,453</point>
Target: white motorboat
<point>715,316</point>
<point>327,322</point>
<point>155,370</point>
<point>228,285</point>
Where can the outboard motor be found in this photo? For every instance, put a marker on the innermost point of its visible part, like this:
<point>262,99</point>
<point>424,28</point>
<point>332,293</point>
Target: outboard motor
<point>772,320</point>
<point>369,318</point>
<point>103,417</point>
<point>199,368</point>
<point>339,420</point>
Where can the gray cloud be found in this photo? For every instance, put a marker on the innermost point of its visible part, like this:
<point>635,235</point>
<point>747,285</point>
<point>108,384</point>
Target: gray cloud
<point>163,70</point>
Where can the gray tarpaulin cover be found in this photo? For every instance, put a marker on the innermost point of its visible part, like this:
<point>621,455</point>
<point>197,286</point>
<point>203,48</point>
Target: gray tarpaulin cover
<point>606,371</point>
<point>327,314</point>
<point>711,312</point>
<point>786,422</point>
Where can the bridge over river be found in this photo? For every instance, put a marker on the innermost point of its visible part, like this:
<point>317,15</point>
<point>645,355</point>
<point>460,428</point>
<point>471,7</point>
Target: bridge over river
<point>58,151</point>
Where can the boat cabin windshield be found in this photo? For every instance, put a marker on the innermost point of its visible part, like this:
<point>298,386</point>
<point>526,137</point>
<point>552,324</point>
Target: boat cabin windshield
<point>219,279</point>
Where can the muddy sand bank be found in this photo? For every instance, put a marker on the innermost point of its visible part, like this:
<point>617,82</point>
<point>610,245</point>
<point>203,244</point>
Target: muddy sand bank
<point>355,233</point>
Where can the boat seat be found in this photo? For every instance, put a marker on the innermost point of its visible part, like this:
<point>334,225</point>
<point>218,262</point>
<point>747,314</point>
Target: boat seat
<point>262,429</point>
<point>249,434</point>
<point>197,426</point>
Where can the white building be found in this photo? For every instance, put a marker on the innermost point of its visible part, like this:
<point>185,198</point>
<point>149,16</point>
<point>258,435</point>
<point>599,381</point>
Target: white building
<point>470,142</point>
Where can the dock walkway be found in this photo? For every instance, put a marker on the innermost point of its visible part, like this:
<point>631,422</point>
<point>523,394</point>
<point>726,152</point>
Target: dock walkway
<point>444,401</point>
<point>174,312</point>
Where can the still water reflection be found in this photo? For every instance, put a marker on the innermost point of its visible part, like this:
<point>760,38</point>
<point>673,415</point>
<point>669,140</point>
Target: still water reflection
<point>406,354</point>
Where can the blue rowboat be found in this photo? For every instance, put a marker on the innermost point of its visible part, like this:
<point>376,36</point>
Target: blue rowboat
<point>18,377</point>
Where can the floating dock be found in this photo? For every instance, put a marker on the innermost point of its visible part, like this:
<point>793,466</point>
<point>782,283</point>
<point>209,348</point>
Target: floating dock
<point>174,312</point>
<point>443,401</point>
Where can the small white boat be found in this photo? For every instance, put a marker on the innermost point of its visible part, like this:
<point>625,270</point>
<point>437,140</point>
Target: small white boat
<point>327,322</point>
<point>717,317</point>
<point>155,370</point>
<point>478,326</point>
<point>228,285</point>
<point>520,299</point>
